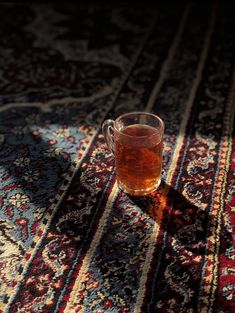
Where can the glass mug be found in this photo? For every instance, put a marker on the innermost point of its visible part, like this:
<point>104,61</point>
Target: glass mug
<point>136,141</point>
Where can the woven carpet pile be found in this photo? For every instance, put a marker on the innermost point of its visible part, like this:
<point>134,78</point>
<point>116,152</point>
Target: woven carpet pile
<point>70,241</point>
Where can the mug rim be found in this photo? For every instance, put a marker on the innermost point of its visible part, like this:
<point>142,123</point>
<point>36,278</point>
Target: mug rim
<point>161,128</point>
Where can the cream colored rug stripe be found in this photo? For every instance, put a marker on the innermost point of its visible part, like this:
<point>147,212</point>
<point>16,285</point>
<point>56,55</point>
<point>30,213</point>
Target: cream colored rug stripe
<point>166,65</point>
<point>217,211</point>
<point>74,299</point>
<point>149,255</point>
<point>152,99</point>
<point>189,103</point>
<point>222,180</point>
<point>178,147</point>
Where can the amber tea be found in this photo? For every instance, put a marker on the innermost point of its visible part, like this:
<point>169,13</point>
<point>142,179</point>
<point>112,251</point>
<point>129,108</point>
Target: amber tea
<point>138,150</point>
<point>136,140</point>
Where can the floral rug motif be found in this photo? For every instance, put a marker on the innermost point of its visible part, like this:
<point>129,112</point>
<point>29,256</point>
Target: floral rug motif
<point>70,241</point>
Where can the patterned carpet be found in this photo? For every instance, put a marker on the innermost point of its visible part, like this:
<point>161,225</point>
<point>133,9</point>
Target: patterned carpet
<point>70,241</point>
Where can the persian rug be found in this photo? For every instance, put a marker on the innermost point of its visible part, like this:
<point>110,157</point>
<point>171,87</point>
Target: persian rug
<point>70,241</point>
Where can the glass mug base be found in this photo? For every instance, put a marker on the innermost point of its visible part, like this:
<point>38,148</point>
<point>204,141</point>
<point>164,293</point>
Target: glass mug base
<point>138,192</point>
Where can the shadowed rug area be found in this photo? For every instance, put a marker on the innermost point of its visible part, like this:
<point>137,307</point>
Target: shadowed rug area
<point>70,240</point>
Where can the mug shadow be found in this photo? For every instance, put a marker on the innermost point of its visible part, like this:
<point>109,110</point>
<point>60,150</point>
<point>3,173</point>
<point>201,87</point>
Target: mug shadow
<point>180,248</point>
<point>182,220</point>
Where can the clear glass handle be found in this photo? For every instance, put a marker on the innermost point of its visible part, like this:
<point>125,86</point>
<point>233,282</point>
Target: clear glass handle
<point>108,132</point>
